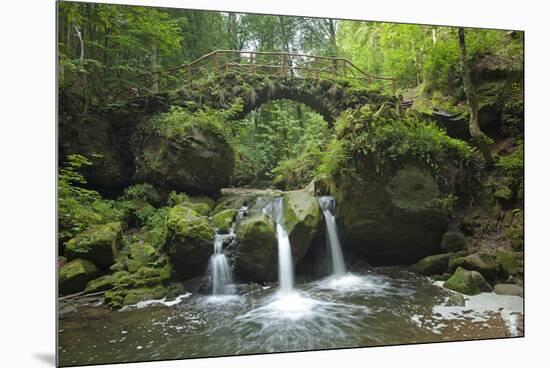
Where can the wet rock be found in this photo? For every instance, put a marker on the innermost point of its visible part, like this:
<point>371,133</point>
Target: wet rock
<point>509,289</point>
<point>188,241</point>
<point>74,276</point>
<point>98,244</point>
<point>431,265</point>
<point>257,249</point>
<point>456,300</point>
<point>483,262</point>
<point>202,204</point>
<point>302,219</point>
<point>177,151</point>
<point>224,219</point>
<point>391,219</point>
<point>467,282</point>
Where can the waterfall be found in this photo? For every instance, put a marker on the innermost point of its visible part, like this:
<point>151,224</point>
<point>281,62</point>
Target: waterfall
<point>286,271</point>
<point>328,205</point>
<point>219,270</point>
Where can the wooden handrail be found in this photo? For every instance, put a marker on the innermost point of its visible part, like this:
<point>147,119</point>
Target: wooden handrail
<point>347,67</point>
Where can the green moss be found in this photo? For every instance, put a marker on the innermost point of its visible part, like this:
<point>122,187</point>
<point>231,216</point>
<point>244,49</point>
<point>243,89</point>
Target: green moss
<point>504,192</point>
<point>119,298</point>
<point>509,263</point>
<point>431,265</point>
<point>74,275</point>
<point>483,262</point>
<point>142,193</point>
<point>256,248</point>
<point>467,282</point>
<point>106,282</point>
<point>188,241</point>
<point>224,219</point>
<point>185,222</point>
<point>201,208</point>
<point>99,244</point>
<point>302,219</point>
<point>413,188</point>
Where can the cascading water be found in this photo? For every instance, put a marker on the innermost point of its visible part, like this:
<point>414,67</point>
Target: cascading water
<point>221,279</point>
<point>328,205</point>
<point>286,271</point>
<point>220,272</point>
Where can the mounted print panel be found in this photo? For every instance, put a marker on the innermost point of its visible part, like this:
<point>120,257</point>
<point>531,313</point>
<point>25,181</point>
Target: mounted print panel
<point>237,184</point>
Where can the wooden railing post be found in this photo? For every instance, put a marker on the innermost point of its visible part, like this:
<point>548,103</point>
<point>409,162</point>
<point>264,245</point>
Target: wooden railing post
<point>217,62</point>
<point>251,60</point>
<point>393,85</point>
<point>189,76</point>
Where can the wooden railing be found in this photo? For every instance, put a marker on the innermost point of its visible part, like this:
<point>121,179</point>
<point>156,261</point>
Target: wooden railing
<point>276,64</point>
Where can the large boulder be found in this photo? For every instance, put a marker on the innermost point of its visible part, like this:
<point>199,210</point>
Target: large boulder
<point>392,218</point>
<point>98,244</point>
<point>94,138</point>
<point>301,219</point>
<point>483,262</point>
<point>467,282</point>
<point>188,241</point>
<point>257,249</point>
<point>177,151</point>
<point>432,265</point>
<point>74,276</point>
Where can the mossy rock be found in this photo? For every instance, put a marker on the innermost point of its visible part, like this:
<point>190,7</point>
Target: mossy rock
<point>467,282</point>
<point>453,241</point>
<point>224,219</point>
<point>432,265</point>
<point>188,241</point>
<point>141,254</point>
<point>391,218</point>
<point>509,263</point>
<point>301,220</point>
<point>233,201</point>
<point>74,276</point>
<point>483,262</point>
<point>211,203</point>
<point>107,282</point>
<point>120,298</point>
<point>177,151</point>
<point>98,244</point>
<point>257,249</point>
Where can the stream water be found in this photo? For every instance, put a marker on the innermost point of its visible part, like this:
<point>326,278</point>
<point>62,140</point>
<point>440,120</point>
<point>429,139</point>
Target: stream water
<point>386,306</point>
<point>369,307</point>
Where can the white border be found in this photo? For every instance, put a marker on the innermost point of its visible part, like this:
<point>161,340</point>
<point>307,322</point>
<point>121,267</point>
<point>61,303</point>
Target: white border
<point>27,151</point>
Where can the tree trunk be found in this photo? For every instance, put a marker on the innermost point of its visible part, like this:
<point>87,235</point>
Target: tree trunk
<point>154,69</point>
<point>478,137</point>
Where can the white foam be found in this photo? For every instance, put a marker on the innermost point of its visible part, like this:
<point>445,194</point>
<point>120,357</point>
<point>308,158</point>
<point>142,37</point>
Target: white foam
<point>163,301</point>
<point>478,308</point>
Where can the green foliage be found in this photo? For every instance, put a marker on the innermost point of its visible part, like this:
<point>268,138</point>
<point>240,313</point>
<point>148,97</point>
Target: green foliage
<point>175,198</point>
<point>142,192</point>
<point>80,207</point>
<point>281,137</point>
<point>512,164</point>
<point>418,53</point>
<point>178,121</point>
<point>384,141</point>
